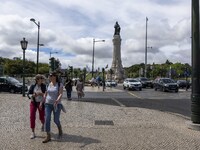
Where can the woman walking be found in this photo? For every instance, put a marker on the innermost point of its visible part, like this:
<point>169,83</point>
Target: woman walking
<point>36,94</point>
<point>79,89</point>
<point>53,104</point>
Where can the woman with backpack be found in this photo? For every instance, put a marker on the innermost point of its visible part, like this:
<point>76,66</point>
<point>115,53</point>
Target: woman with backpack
<point>53,104</point>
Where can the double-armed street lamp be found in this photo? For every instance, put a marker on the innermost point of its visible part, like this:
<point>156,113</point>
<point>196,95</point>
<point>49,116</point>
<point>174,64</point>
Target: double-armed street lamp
<point>38,41</point>
<point>146,47</point>
<point>24,44</point>
<point>94,41</point>
<point>52,53</point>
<point>50,69</point>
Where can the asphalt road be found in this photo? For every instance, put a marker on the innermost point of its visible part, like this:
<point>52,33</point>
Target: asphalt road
<point>178,103</point>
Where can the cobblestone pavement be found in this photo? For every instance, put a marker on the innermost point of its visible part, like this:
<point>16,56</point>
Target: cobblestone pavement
<point>132,128</point>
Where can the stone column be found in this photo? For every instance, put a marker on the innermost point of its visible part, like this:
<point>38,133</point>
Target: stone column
<point>117,63</point>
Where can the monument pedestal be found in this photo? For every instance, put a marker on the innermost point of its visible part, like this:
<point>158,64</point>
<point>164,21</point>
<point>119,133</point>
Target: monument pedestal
<point>118,72</point>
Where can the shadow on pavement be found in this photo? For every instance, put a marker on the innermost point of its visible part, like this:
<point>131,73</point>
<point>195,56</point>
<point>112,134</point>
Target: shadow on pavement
<point>75,139</point>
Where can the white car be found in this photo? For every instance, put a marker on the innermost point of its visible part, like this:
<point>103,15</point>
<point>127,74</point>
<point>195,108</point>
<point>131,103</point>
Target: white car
<point>132,84</point>
<point>111,83</point>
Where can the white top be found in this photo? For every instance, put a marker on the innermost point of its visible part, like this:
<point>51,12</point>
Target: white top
<point>37,89</point>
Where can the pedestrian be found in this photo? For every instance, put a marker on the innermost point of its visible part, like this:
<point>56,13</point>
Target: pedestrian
<point>98,79</point>
<point>53,104</point>
<point>36,93</point>
<point>68,87</point>
<point>79,88</point>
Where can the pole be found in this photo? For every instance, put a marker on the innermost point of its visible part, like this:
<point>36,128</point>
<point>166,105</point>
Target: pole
<point>195,96</point>
<point>103,71</point>
<point>145,69</point>
<point>93,58</point>
<point>38,41</point>
<point>23,88</point>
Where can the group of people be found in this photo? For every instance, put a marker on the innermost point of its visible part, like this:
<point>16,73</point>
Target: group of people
<point>47,100</point>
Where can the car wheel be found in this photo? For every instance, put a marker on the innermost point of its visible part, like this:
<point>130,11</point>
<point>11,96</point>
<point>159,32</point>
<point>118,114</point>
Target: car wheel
<point>155,89</point>
<point>163,89</point>
<point>12,91</point>
<point>124,87</point>
<point>176,91</point>
<point>140,89</point>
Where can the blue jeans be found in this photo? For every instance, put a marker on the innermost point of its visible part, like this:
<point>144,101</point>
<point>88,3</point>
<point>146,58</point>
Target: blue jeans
<point>49,108</point>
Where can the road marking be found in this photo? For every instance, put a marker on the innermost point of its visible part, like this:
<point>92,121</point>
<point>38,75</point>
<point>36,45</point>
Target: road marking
<point>120,104</point>
<point>134,95</point>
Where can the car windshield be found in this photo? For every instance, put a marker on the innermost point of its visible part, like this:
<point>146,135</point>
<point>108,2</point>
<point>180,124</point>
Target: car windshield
<point>144,79</point>
<point>110,81</point>
<point>13,80</point>
<point>132,80</point>
<point>168,81</point>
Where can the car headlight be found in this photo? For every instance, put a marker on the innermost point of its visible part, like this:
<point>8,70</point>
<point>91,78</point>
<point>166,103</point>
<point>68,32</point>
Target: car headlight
<point>166,85</point>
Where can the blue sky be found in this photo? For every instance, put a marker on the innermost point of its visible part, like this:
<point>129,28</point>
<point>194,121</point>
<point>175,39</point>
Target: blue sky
<point>69,26</point>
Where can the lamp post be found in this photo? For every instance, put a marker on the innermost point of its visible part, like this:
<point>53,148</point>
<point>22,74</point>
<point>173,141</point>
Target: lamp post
<point>38,41</point>
<point>195,95</point>
<point>94,41</point>
<point>145,68</point>
<point>103,71</point>
<point>24,44</point>
<point>50,60</point>
<point>52,53</point>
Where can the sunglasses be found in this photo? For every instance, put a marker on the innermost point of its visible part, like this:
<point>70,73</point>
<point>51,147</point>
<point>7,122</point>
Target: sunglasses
<point>51,75</point>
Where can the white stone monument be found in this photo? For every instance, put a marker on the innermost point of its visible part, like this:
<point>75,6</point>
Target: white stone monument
<point>118,72</point>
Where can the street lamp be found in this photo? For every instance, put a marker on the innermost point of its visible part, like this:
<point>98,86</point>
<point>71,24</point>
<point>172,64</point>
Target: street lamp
<point>52,53</point>
<point>145,68</point>
<point>93,53</point>
<point>146,47</point>
<point>50,60</point>
<point>38,39</point>
<point>24,44</point>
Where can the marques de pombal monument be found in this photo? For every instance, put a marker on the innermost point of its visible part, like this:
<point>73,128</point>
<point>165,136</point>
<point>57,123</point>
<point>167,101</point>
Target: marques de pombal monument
<point>118,72</point>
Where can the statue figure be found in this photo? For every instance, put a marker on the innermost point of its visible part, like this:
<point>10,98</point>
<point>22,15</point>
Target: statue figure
<point>117,28</point>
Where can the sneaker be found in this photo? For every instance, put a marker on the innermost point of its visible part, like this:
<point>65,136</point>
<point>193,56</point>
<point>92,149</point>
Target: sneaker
<point>32,136</point>
<point>42,128</point>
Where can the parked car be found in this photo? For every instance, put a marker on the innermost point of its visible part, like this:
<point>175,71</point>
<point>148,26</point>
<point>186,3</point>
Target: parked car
<point>165,84</point>
<point>183,84</point>
<point>12,85</point>
<point>145,82</point>
<point>132,84</point>
<point>111,83</point>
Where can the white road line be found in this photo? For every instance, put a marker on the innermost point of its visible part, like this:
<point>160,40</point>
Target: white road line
<point>134,95</point>
<point>120,104</point>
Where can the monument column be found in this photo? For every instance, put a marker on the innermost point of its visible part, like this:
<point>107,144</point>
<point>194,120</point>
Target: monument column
<point>117,63</point>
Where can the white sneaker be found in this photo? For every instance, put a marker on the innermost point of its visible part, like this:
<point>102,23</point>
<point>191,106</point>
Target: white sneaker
<point>32,136</point>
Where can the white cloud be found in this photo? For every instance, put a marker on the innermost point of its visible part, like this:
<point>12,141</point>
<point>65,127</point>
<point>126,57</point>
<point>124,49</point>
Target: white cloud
<point>70,26</point>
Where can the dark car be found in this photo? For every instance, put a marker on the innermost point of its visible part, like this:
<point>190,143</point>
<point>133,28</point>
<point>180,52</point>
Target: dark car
<point>12,85</point>
<point>165,84</point>
<point>145,82</point>
<point>183,84</point>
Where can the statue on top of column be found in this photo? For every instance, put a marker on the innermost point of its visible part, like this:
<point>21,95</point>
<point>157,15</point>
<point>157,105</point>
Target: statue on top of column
<point>117,28</point>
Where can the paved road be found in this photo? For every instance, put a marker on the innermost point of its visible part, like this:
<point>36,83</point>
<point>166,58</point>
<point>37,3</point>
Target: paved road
<point>147,98</point>
<point>100,125</point>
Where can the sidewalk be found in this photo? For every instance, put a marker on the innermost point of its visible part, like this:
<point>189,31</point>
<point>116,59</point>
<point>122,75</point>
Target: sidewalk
<point>91,126</point>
